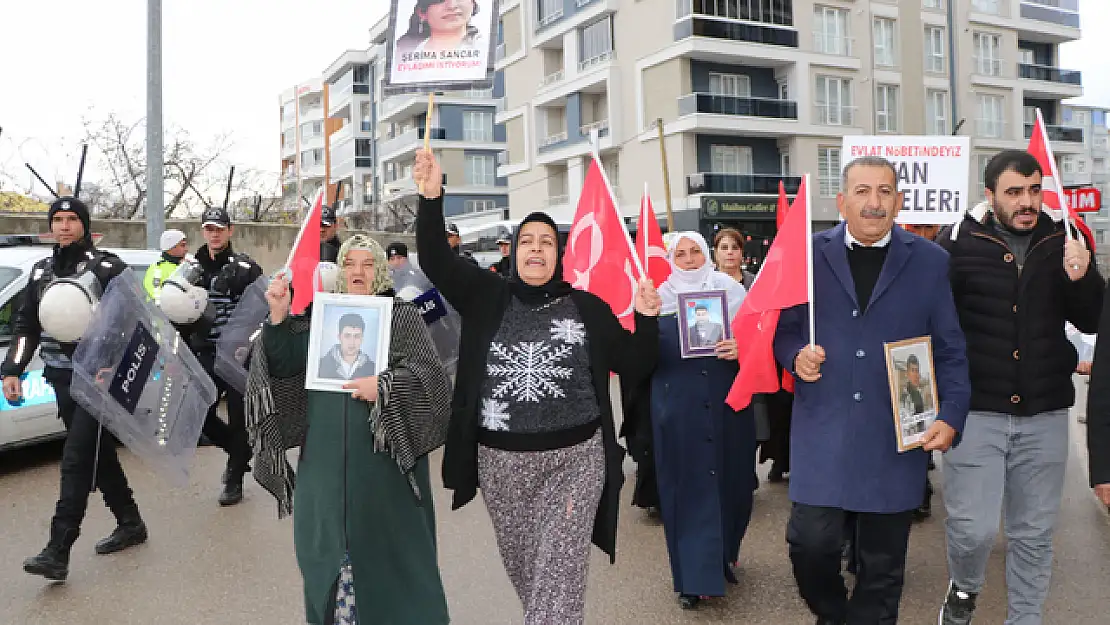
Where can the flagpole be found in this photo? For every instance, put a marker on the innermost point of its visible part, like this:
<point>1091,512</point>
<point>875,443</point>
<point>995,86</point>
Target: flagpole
<point>645,201</point>
<point>616,207</point>
<point>1055,174</point>
<point>809,263</point>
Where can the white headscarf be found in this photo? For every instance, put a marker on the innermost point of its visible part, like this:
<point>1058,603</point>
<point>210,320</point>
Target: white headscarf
<point>704,278</point>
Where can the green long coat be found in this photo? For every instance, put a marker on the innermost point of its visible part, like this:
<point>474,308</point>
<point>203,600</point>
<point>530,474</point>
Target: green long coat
<point>349,498</point>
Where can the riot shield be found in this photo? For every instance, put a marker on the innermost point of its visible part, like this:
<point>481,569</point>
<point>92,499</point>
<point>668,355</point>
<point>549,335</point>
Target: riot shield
<point>444,323</point>
<point>239,333</point>
<point>134,374</point>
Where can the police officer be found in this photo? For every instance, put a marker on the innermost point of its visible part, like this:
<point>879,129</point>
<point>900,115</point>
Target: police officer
<point>454,239</point>
<point>88,450</point>
<point>397,255</point>
<point>329,235</point>
<point>503,267</point>
<point>226,274</point>
<point>174,247</point>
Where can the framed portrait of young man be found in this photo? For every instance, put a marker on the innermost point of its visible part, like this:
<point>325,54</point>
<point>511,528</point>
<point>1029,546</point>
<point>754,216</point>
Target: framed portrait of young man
<point>702,322</point>
<point>913,389</point>
<point>348,339</point>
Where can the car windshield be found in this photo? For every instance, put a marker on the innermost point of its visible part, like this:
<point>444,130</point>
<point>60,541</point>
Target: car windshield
<point>7,275</point>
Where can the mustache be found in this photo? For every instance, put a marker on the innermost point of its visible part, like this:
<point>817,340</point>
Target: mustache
<point>873,213</point>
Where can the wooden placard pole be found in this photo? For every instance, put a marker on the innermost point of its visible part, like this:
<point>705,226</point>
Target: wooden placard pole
<point>666,176</point>
<point>428,130</point>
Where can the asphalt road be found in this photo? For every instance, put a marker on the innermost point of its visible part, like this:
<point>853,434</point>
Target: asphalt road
<point>205,564</point>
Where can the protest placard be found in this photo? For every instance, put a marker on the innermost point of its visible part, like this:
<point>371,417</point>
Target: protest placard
<point>438,45</point>
<point>933,173</point>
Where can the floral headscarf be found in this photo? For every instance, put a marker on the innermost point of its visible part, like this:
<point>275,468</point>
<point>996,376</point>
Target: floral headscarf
<point>382,281</point>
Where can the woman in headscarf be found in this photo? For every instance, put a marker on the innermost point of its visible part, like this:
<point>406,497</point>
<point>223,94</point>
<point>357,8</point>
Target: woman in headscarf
<point>364,525</point>
<point>532,423</point>
<point>704,451</point>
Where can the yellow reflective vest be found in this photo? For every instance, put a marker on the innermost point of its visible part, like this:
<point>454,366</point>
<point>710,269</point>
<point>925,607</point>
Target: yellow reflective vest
<point>156,276</point>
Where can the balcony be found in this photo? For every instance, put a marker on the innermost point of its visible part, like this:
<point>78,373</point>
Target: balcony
<point>360,89</point>
<point>749,184</point>
<point>704,25</point>
<point>1050,11</point>
<point>732,105</point>
<point>1058,134</point>
<point>409,140</point>
<point>546,20</point>
<point>551,79</point>
<point>584,66</point>
<point>833,115</point>
<point>602,128</point>
<point>556,200</point>
<point>1050,74</point>
<point>552,140</point>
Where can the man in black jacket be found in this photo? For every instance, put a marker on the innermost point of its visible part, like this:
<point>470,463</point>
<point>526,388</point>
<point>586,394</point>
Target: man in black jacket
<point>454,239</point>
<point>346,360</point>
<point>329,237</point>
<point>88,449</point>
<point>1017,277</point>
<point>226,275</point>
<point>504,266</point>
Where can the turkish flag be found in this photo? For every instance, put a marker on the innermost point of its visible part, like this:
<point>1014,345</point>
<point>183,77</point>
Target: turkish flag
<point>783,282</point>
<point>649,243</point>
<point>1052,189</point>
<point>599,256</point>
<point>305,256</point>
<point>783,207</point>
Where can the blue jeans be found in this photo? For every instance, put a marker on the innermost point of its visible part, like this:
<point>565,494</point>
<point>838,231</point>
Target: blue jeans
<point>1012,465</point>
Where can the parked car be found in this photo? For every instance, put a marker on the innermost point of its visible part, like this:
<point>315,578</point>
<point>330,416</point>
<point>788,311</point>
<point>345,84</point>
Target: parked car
<point>35,419</point>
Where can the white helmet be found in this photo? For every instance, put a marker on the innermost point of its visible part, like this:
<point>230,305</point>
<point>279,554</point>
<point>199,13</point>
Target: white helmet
<point>409,293</point>
<point>183,304</point>
<point>67,307</point>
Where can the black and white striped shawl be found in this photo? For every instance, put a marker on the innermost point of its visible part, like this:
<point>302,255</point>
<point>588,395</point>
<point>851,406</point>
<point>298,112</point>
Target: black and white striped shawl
<point>408,421</point>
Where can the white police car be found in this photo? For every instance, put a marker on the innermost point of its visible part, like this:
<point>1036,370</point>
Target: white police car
<point>36,417</point>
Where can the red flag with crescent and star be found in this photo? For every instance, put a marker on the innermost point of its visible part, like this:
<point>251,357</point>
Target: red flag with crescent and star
<point>649,243</point>
<point>598,257</point>
<point>1054,198</point>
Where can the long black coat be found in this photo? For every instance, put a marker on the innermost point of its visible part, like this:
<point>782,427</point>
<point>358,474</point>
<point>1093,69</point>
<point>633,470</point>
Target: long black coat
<point>481,298</point>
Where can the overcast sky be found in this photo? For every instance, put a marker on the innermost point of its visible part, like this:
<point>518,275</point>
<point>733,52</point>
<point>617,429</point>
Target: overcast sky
<point>224,64</point>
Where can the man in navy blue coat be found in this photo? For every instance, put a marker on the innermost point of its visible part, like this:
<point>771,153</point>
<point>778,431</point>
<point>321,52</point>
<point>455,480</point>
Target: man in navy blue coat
<point>873,284</point>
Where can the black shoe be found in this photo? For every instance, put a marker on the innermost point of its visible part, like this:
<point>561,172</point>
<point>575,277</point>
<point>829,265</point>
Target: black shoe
<point>689,602</point>
<point>827,621</point>
<point>776,475</point>
<point>730,574</point>
<point>232,494</point>
<point>958,607</point>
<point>128,534</point>
<point>52,563</point>
<point>229,474</point>
<point>923,512</point>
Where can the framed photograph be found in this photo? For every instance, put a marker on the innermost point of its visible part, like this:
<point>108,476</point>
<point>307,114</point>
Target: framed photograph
<point>913,389</point>
<point>348,339</point>
<point>702,322</point>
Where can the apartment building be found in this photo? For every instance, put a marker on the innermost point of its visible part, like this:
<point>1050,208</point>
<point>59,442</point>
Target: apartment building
<point>753,91</point>
<point>350,129</point>
<point>303,141</point>
<point>463,135</point>
<point>1091,166</point>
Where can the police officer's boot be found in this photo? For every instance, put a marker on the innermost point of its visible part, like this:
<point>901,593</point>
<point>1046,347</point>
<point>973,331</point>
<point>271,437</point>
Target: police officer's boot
<point>130,531</point>
<point>53,562</point>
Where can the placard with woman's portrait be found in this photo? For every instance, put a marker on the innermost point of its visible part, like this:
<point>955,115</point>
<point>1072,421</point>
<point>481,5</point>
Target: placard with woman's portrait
<point>440,45</point>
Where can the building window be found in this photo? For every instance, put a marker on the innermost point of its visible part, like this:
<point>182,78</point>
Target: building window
<point>992,118</point>
<point>886,108</point>
<point>596,43</point>
<point>784,164</point>
<point>784,89</point>
<point>934,50</point>
<point>311,130</point>
<point>1027,56</point>
<point>735,85</point>
<point>289,137</point>
<point>933,4</point>
<point>1067,164</point>
<point>936,112</point>
<point>883,35</point>
<point>987,50</point>
<point>549,11</point>
<point>311,158</point>
<point>834,101</point>
<point>990,7</point>
<point>1079,119</point>
<point>828,171</point>
<point>481,170</point>
<point>1101,143</point>
<point>475,206</point>
<point>830,31</point>
<point>1098,166</point>
<point>289,111</point>
<point>981,161</point>
<point>1098,119</point>
<point>731,159</point>
<point>478,126</point>
<point>1029,115</point>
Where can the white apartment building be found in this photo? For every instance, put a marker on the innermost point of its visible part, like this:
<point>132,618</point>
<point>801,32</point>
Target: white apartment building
<point>350,129</point>
<point>303,141</point>
<point>1091,166</point>
<point>752,91</point>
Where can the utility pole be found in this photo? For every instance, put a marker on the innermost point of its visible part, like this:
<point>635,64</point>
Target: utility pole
<point>666,175</point>
<point>155,219</point>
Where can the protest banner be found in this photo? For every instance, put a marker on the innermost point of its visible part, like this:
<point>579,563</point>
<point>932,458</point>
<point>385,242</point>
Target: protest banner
<point>434,45</point>
<point>933,172</point>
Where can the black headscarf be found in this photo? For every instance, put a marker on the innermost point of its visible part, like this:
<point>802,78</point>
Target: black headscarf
<point>556,286</point>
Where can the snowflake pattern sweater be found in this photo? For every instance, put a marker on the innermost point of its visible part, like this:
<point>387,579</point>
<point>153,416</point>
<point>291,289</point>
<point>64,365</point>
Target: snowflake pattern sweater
<point>538,375</point>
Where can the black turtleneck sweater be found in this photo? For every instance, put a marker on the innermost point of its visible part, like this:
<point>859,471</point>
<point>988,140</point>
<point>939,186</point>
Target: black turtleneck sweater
<point>866,264</point>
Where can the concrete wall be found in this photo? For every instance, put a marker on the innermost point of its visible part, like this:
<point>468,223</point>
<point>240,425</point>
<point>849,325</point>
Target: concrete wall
<point>268,244</point>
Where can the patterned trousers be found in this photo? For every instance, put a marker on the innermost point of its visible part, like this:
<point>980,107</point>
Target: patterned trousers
<point>543,505</point>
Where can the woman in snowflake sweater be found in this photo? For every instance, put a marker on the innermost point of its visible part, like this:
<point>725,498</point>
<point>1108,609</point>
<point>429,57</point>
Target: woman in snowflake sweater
<point>531,419</point>
<point>704,451</point>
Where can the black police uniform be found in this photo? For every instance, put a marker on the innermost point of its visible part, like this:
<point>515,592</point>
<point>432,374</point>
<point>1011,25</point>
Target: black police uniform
<point>329,249</point>
<point>226,277</point>
<point>80,455</point>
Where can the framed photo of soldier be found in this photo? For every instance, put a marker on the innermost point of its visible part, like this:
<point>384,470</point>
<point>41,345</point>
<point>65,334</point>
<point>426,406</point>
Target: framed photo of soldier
<point>913,389</point>
<point>348,339</point>
<point>702,322</point>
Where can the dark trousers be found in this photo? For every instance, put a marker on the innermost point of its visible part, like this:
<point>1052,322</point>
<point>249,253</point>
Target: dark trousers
<point>232,435</point>
<point>80,460</point>
<point>879,542</point>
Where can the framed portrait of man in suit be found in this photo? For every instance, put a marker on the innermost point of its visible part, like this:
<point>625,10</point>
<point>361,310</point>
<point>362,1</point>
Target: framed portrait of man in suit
<point>702,322</point>
<point>348,339</point>
<point>913,389</point>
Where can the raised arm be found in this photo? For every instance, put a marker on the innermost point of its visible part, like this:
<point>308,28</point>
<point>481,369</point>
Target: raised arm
<point>1083,297</point>
<point>459,281</point>
<point>286,352</point>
